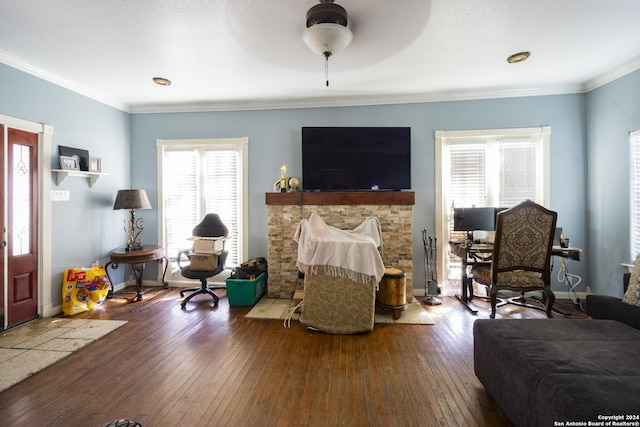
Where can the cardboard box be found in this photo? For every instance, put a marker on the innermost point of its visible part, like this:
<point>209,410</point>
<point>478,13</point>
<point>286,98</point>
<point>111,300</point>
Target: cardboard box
<point>208,245</point>
<point>246,292</point>
<point>203,262</point>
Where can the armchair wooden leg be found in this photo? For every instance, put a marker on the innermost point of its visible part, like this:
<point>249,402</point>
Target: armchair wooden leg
<point>549,300</point>
<point>493,297</point>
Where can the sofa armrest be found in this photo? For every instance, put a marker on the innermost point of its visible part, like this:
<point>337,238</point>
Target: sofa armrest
<point>608,307</point>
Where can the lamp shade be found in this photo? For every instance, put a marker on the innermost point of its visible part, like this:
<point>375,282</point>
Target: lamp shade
<point>327,37</point>
<point>132,199</point>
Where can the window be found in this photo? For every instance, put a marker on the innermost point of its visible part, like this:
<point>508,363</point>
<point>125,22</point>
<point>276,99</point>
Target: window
<point>484,168</point>
<point>634,138</point>
<point>199,177</point>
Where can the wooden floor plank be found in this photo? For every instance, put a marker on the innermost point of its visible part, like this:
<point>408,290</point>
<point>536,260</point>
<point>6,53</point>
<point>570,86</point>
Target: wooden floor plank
<point>213,366</point>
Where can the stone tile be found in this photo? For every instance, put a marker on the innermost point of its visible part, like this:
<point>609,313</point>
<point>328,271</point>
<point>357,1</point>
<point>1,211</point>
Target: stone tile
<point>38,340</point>
<point>64,344</point>
<point>270,308</point>
<point>278,308</point>
<point>92,329</point>
<point>282,221</point>
<point>9,353</point>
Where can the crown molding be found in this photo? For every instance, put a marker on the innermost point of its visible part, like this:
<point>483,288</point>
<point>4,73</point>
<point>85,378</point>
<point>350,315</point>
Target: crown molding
<point>346,101</point>
<point>23,66</point>
<point>613,74</point>
<point>353,101</point>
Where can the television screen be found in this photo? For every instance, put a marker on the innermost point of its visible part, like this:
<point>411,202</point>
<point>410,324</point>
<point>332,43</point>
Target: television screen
<point>356,158</point>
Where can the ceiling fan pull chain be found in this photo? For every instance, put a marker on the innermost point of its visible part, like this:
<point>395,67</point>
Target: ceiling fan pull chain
<point>326,66</point>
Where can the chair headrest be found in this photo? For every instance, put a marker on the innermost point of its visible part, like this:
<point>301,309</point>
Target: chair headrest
<point>210,226</point>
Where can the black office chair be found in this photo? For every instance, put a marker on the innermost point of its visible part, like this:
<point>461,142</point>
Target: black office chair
<point>211,226</point>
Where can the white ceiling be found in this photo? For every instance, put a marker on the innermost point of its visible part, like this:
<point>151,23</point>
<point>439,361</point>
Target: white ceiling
<point>243,54</point>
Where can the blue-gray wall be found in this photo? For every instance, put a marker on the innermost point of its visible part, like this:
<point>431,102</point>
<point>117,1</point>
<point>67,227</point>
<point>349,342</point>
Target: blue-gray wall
<point>274,140</point>
<point>613,111</point>
<point>589,162</point>
<point>85,228</point>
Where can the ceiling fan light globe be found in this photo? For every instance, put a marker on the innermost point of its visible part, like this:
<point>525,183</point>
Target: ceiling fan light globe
<point>327,37</point>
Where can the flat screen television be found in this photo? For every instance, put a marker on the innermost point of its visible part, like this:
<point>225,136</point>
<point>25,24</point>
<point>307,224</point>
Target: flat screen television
<point>356,158</point>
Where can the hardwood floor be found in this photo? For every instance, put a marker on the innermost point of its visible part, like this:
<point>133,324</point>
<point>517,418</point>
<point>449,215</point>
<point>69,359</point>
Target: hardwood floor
<point>214,367</point>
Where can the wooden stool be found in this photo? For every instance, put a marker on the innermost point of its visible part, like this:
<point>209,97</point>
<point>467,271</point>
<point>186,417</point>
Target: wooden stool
<point>392,292</point>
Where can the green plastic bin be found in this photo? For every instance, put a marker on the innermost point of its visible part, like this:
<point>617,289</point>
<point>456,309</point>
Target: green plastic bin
<point>246,292</point>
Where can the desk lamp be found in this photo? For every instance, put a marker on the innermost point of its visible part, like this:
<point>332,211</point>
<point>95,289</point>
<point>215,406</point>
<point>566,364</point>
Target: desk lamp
<point>132,200</point>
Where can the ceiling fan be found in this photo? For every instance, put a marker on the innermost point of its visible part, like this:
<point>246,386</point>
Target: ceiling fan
<point>327,32</point>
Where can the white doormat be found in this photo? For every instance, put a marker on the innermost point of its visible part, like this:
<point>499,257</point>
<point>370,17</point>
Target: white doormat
<point>29,348</point>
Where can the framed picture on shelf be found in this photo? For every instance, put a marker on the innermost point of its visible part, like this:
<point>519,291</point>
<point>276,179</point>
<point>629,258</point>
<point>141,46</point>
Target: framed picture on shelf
<point>95,164</point>
<point>81,155</point>
<point>69,163</point>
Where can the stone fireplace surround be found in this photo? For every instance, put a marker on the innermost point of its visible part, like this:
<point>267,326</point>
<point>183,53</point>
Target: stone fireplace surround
<point>344,210</point>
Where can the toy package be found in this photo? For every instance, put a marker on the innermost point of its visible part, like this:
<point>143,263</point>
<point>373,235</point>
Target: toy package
<point>83,289</point>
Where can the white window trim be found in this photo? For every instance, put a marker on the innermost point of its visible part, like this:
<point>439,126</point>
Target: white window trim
<point>442,138</point>
<point>242,145</point>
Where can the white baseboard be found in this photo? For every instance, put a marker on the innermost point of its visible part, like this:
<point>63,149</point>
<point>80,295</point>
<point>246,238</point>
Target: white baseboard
<point>172,283</point>
<point>582,296</point>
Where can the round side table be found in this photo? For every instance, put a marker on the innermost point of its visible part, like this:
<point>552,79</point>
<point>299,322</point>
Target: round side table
<point>137,259</point>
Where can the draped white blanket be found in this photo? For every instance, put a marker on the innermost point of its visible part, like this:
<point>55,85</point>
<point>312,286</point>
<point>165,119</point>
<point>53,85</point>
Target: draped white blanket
<point>323,249</point>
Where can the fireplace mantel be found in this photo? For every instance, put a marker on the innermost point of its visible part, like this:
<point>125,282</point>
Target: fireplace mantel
<point>342,198</point>
<point>345,210</point>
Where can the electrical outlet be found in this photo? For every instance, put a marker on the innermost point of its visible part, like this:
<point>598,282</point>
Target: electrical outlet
<point>588,289</point>
<point>59,196</point>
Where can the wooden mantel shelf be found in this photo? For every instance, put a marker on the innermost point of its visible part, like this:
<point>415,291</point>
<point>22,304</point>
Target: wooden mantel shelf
<point>342,198</point>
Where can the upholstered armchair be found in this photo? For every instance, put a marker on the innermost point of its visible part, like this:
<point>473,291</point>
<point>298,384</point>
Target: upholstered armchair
<point>521,260</point>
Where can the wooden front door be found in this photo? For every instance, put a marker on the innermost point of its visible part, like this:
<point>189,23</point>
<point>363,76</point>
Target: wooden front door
<point>3,241</point>
<point>22,226</point>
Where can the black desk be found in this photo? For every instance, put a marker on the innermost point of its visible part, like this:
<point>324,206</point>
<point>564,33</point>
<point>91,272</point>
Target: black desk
<point>468,254</point>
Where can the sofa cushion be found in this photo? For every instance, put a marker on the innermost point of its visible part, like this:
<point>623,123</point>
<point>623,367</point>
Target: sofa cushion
<point>612,308</point>
<point>632,295</point>
<point>585,397</point>
<point>520,361</point>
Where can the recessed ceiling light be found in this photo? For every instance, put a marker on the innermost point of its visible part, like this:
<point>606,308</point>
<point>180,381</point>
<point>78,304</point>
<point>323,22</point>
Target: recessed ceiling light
<point>162,81</point>
<point>518,57</point>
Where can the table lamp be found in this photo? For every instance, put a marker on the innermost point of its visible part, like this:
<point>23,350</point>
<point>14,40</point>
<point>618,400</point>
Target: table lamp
<point>132,200</point>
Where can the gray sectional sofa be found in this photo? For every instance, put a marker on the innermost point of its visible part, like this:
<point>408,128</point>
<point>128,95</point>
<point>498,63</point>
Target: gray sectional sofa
<point>550,372</point>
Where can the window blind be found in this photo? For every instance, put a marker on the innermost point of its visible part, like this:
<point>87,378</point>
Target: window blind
<point>496,172</point>
<point>518,172</point>
<point>200,178</point>
<point>222,194</point>
<point>635,193</point>
<point>468,180</point>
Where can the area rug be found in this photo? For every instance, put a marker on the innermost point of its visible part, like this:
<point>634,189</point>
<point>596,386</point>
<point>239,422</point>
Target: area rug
<point>29,348</point>
<point>278,308</point>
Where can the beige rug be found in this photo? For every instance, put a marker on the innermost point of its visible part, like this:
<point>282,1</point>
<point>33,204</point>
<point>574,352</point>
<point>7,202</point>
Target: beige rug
<point>29,348</point>
<point>278,308</point>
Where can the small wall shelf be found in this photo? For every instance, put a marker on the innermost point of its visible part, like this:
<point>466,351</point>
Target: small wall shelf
<point>62,174</point>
